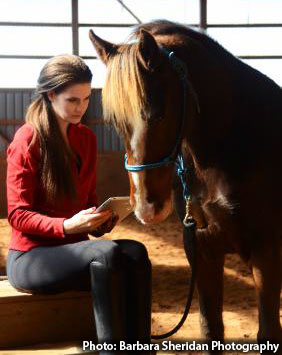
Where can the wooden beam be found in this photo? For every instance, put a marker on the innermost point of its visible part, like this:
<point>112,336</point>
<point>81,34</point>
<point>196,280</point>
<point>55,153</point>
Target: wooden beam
<point>74,14</point>
<point>129,11</point>
<point>203,14</point>
<point>4,138</point>
<point>11,122</point>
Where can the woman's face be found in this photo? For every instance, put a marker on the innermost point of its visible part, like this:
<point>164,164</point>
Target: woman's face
<point>70,104</point>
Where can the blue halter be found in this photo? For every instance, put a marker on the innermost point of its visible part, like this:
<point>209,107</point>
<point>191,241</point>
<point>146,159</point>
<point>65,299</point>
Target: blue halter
<point>181,70</point>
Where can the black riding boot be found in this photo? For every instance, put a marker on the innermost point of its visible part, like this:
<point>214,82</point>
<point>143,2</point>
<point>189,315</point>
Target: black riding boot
<point>139,300</point>
<point>109,305</point>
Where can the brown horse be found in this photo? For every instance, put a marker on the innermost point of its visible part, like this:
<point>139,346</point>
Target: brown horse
<point>231,142</point>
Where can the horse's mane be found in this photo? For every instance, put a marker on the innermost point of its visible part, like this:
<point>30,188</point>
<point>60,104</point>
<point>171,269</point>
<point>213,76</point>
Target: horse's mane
<point>164,27</point>
<point>124,93</point>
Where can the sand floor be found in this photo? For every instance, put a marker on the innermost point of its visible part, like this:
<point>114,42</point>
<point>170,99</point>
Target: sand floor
<point>171,274</point>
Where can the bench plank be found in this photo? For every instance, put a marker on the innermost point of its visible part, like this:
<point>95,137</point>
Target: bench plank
<point>28,319</point>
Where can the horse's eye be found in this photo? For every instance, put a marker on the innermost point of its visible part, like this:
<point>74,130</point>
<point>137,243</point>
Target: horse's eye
<point>151,115</point>
<point>153,110</point>
<point>154,119</point>
<point>144,115</point>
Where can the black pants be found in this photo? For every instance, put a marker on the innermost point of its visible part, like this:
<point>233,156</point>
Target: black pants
<point>116,271</point>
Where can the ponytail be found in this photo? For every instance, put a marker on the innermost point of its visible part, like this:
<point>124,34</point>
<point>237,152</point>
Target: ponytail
<point>55,171</point>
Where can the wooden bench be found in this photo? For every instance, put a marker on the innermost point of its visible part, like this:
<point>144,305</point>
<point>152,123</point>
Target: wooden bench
<point>27,319</point>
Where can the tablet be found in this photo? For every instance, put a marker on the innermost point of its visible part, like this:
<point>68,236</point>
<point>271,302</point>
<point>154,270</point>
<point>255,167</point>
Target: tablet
<point>119,205</point>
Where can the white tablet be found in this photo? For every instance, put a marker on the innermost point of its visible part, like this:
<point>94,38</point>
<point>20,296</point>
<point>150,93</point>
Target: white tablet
<point>119,205</point>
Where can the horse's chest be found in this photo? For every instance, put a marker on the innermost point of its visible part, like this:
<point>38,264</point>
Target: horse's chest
<point>219,210</point>
<point>215,211</point>
<point>213,193</point>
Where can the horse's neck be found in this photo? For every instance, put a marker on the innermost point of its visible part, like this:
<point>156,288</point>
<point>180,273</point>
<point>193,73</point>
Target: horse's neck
<point>236,105</point>
<point>209,118</point>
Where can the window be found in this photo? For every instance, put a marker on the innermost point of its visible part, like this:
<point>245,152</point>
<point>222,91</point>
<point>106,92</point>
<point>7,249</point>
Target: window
<point>42,28</point>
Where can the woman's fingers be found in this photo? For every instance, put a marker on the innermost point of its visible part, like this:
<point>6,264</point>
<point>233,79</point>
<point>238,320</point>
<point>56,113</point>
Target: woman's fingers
<point>98,219</point>
<point>86,221</point>
<point>88,210</point>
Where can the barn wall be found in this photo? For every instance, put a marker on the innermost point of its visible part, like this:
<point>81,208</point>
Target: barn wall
<point>3,200</point>
<point>112,178</point>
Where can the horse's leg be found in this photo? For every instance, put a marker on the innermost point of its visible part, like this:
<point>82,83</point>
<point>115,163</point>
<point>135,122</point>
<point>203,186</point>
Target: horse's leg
<point>209,268</point>
<point>210,290</point>
<point>266,266</point>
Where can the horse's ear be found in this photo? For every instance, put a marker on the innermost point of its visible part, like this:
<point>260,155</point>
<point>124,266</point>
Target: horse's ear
<point>103,48</point>
<point>149,50</point>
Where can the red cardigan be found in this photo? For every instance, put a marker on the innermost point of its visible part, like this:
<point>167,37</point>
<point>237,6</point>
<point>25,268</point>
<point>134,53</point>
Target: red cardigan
<point>35,222</point>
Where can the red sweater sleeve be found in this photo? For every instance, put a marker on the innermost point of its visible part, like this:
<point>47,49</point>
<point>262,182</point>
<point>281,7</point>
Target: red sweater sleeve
<point>22,180</point>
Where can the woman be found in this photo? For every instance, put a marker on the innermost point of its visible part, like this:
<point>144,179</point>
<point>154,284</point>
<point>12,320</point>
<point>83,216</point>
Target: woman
<point>51,187</point>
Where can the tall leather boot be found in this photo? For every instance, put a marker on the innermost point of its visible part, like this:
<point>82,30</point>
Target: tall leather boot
<point>139,301</point>
<point>108,292</point>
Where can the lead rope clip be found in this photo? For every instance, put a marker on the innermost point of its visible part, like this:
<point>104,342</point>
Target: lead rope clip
<point>188,220</point>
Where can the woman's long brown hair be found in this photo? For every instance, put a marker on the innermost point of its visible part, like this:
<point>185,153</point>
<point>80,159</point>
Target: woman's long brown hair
<point>56,173</point>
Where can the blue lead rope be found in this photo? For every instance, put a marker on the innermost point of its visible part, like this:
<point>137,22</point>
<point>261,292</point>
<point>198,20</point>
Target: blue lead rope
<point>181,170</point>
<point>182,173</point>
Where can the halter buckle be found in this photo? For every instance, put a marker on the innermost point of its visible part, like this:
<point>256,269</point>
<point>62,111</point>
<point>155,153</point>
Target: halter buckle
<point>179,67</point>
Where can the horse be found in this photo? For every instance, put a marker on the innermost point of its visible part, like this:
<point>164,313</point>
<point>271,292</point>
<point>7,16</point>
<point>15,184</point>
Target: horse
<point>230,136</point>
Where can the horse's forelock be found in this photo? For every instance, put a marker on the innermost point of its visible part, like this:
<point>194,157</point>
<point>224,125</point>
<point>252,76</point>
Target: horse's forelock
<point>124,94</point>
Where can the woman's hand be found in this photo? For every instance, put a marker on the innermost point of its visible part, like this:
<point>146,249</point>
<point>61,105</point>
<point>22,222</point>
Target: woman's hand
<point>86,221</point>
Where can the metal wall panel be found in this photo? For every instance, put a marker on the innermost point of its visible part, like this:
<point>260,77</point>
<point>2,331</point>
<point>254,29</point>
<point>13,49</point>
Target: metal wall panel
<point>13,106</point>
<point>10,99</point>
<point>2,115</point>
<point>94,119</point>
